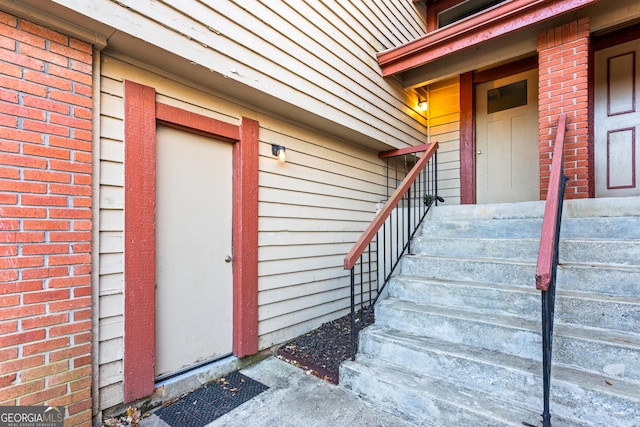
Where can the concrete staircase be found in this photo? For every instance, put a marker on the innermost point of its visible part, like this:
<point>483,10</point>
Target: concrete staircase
<point>457,338</point>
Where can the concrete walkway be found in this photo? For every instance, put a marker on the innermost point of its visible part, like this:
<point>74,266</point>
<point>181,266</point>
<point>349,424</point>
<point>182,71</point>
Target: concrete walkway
<point>295,399</point>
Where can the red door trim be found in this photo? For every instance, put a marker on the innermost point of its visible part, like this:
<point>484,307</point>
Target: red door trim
<point>142,114</point>
<point>467,141</point>
<point>139,240</point>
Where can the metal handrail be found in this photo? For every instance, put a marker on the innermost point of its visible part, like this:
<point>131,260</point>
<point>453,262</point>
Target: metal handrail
<point>374,252</point>
<point>548,256</point>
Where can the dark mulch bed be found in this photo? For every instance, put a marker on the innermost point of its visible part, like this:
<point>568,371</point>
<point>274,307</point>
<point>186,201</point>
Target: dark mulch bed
<point>321,351</point>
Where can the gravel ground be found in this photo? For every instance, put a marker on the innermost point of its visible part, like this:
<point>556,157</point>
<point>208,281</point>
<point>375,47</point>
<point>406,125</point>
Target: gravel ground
<point>322,350</point>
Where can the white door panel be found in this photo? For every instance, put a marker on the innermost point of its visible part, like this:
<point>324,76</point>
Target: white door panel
<point>616,118</point>
<point>193,237</point>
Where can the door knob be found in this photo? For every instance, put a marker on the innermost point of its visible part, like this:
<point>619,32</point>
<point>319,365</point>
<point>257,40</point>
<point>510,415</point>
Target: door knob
<point>478,152</point>
<point>228,258</point>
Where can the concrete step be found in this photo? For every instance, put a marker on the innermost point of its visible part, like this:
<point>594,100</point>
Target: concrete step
<point>609,228</point>
<point>592,278</point>
<point>504,376</point>
<point>429,401</point>
<point>592,349</point>
<point>620,252</point>
<point>585,309</point>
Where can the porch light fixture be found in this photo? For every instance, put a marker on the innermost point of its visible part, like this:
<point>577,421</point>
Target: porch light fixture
<point>279,151</point>
<point>422,104</point>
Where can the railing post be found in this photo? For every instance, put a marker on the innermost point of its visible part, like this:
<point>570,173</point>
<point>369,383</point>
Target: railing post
<point>409,220</point>
<point>353,315</point>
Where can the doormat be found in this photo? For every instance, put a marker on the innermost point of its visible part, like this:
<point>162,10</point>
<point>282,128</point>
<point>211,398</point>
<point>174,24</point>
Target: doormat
<point>209,402</point>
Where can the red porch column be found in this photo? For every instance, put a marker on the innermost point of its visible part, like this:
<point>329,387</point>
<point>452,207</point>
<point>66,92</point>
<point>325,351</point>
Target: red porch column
<point>563,59</point>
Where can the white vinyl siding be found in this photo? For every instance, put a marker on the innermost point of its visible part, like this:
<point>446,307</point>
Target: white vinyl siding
<point>311,210</point>
<point>316,60</point>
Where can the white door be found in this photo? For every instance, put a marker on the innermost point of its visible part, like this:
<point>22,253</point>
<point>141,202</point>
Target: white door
<point>617,120</point>
<point>193,238</point>
<point>507,165</point>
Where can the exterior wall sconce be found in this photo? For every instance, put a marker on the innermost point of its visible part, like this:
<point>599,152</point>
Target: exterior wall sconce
<point>422,104</point>
<point>279,151</point>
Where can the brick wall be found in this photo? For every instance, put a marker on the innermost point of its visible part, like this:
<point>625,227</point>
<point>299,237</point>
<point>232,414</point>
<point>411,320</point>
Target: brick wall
<point>563,55</point>
<point>45,219</point>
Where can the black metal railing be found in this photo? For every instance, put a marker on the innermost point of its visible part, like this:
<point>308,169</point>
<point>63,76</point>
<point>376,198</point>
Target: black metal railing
<point>375,256</point>
<point>548,257</point>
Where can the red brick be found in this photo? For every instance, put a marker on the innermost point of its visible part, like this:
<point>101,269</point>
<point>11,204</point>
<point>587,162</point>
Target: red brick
<point>43,371</point>
<point>7,380</point>
<point>45,346</point>
<point>22,85</point>
<point>9,173</point>
<point>70,398</point>
<point>70,166</point>
<point>21,311</point>
<point>17,237</point>
<point>71,213</point>
<point>82,225</point>
<point>44,55</point>
<point>25,161</point>
<point>79,248</point>
<point>7,19</point>
<point>46,225</point>
<point>82,291</point>
<point>46,104</point>
<point>11,199</point>
<point>8,327</point>
<point>46,295</point>
<point>38,200</point>
<point>9,250</point>
<point>69,376</point>
<point>82,157</point>
<point>22,337</point>
<point>40,397</point>
<point>71,352</point>
<point>45,320</point>
<point>46,128</point>
<point>22,363</point>
<point>81,46</point>
<point>72,304</point>
<point>20,212</point>
<point>8,121</point>
<point>67,282</point>
<point>83,337</point>
<point>43,273</point>
<point>7,276</point>
<point>73,144</point>
<point>22,262</point>
<point>71,122</point>
<point>82,361</point>
<point>81,419</point>
<point>21,389</point>
<point>22,286</point>
<point>82,101</point>
<point>10,69</point>
<point>79,407</point>
<point>82,113</point>
<point>9,146</point>
<point>45,249</point>
<point>64,72</point>
<point>19,135</point>
<point>47,80</point>
<point>80,270</point>
<point>71,236</point>
<point>81,89</point>
<point>21,59</point>
<point>8,301</point>
<point>85,135</point>
<point>81,202</point>
<point>7,354</point>
<point>46,176</point>
<point>69,259</point>
<point>72,190</point>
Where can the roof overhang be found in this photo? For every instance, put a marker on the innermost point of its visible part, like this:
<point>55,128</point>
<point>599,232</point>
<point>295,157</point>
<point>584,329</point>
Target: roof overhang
<point>474,32</point>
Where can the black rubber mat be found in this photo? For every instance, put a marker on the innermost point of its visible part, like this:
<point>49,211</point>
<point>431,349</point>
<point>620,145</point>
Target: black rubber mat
<point>204,405</point>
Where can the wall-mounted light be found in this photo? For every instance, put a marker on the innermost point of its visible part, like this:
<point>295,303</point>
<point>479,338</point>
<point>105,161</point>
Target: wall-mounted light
<point>280,152</point>
<point>422,104</point>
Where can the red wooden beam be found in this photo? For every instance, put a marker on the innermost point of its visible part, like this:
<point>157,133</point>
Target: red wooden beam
<point>550,221</point>
<point>403,151</point>
<point>500,21</point>
<point>368,235</point>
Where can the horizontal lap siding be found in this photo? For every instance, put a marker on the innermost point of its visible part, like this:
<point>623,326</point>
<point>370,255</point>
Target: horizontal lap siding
<point>311,210</point>
<point>444,119</point>
<point>319,57</point>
